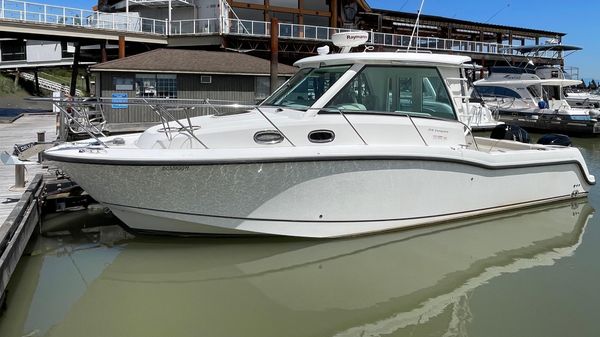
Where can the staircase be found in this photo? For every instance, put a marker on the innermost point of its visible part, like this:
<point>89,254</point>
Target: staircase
<point>50,85</point>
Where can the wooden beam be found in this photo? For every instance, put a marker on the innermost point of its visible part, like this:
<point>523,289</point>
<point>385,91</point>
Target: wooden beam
<point>121,46</point>
<point>274,53</point>
<point>333,8</point>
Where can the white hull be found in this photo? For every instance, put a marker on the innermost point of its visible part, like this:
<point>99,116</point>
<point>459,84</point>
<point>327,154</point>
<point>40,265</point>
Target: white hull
<point>328,198</point>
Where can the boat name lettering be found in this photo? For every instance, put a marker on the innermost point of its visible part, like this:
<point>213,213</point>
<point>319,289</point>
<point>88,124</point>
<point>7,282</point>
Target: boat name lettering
<point>175,168</point>
<point>437,130</point>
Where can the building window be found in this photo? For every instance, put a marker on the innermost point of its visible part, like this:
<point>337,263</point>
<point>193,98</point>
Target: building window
<point>314,20</point>
<point>319,5</point>
<point>156,85</point>
<point>284,3</point>
<point>122,83</point>
<point>13,50</point>
<point>257,2</point>
<point>206,79</point>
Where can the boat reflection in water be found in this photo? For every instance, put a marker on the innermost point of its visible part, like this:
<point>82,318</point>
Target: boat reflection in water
<point>368,286</point>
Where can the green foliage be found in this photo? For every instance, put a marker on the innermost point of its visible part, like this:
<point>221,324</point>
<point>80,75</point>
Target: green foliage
<point>7,85</point>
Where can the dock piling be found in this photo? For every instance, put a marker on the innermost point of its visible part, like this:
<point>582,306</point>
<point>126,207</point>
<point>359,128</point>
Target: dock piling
<point>19,176</point>
<point>41,137</point>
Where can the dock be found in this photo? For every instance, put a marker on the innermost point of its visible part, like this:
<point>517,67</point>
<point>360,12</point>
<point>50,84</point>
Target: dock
<point>19,208</point>
<point>21,131</point>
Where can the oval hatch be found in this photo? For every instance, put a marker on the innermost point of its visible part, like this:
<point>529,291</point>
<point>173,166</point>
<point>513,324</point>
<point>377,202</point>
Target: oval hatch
<point>321,136</point>
<point>268,137</point>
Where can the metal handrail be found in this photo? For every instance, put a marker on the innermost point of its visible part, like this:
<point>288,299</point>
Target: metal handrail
<point>68,16</point>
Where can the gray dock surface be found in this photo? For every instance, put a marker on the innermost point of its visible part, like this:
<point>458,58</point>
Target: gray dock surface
<point>21,131</point>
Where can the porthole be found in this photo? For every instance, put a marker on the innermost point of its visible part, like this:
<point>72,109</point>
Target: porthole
<point>268,137</point>
<point>321,136</point>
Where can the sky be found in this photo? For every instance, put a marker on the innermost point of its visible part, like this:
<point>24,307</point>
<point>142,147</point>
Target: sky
<point>576,18</point>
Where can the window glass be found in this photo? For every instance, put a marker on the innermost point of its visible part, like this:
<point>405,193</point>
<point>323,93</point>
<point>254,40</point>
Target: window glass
<point>490,91</point>
<point>306,87</point>
<point>284,3</point>
<point>319,5</point>
<point>122,83</point>
<point>315,20</point>
<point>249,14</point>
<point>533,90</point>
<point>13,50</point>
<point>153,85</point>
<point>417,90</point>
<point>258,2</point>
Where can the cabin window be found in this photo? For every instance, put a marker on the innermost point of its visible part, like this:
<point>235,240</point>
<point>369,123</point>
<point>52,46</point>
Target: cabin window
<point>490,91</point>
<point>306,87</point>
<point>551,92</point>
<point>417,90</point>
<point>533,90</point>
<point>156,85</point>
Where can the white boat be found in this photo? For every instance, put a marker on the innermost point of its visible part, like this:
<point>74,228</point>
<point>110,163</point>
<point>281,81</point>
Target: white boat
<point>474,112</point>
<point>584,100</point>
<point>350,145</point>
<point>527,98</point>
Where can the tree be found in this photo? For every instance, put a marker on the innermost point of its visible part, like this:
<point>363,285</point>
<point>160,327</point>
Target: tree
<point>593,85</point>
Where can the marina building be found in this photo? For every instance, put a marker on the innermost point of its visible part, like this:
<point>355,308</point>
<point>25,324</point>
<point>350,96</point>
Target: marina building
<point>178,74</point>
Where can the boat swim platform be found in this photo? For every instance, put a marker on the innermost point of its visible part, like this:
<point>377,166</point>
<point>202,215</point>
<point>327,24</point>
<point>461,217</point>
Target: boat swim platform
<point>20,209</point>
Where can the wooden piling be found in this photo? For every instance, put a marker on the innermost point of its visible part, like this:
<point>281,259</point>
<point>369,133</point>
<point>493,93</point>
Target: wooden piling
<point>274,53</point>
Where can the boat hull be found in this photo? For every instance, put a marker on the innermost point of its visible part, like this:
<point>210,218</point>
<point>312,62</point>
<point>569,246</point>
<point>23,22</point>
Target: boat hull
<point>319,198</point>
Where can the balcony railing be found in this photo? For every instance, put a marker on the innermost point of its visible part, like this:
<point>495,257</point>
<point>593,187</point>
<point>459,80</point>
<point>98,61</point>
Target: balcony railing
<point>318,33</point>
<point>46,14</point>
<point>55,15</point>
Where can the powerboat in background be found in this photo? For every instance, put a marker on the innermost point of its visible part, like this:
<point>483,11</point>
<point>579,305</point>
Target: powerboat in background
<point>534,99</point>
<point>352,144</point>
<point>584,100</point>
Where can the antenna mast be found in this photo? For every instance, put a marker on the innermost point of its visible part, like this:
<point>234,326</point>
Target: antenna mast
<point>416,29</point>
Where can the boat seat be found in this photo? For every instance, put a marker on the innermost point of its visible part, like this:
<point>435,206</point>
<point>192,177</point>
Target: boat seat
<point>438,109</point>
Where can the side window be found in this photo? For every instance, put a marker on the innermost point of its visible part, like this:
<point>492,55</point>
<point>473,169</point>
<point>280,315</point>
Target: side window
<point>488,91</point>
<point>304,89</point>
<point>401,90</point>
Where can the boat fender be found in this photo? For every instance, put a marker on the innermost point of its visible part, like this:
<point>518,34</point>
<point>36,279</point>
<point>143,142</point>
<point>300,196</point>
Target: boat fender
<point>555,139</point>
<point>510,132</point>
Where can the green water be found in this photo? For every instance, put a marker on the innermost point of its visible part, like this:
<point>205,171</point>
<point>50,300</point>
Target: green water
<point>533,272</point>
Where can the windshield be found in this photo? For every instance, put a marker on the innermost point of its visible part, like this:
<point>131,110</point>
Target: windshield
<point>396,90</point>
<point>306,87</point>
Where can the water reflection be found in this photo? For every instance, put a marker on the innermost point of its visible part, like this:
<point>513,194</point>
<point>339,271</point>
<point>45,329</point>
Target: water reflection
<point>103,282</point>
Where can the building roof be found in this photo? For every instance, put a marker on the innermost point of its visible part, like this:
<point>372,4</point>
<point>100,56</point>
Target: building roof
<point>193,62</point>
<point>434,18</point>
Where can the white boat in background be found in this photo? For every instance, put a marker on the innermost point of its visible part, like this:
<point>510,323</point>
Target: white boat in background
<point>534,99</point>
<point>584,100</point>
<point>352,144</point>
<point>474,112</point>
